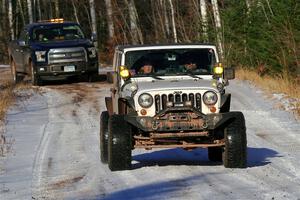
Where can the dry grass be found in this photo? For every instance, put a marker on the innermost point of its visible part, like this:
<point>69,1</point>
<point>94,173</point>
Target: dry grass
<point>270,84</point>
<point>7,97</point>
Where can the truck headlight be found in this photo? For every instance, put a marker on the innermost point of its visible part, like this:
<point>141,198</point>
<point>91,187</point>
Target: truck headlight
<point>92,52</point>
<point>145,100</point>
<point>210,98</point>
<point>40,56</point>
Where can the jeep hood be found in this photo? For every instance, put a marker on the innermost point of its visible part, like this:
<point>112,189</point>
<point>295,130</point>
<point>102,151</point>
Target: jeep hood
<point>161,85</point>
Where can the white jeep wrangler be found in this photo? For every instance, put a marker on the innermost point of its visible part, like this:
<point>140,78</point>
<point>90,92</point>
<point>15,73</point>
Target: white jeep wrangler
<point>177,100</point>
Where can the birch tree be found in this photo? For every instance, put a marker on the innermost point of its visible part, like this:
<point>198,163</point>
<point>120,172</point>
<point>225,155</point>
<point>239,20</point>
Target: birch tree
<point>173,21</point>
<point>110,23</point>
<point>29,7</point>
<point>218,26</point>
<point>165,17</point>
<point>56,7</point>
<point>75,12</point>
<point>136,33</point>
<point>204,19</point>
<point>93,18</point>
<point>10,20</point>
<point>38,7</point>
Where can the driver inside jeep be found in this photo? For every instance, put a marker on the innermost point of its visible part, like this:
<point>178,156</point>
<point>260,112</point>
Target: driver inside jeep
<point>147,68</point>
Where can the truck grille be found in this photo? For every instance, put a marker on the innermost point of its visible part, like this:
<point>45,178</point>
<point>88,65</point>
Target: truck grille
<point>177,99</point>
<point>67,55</point>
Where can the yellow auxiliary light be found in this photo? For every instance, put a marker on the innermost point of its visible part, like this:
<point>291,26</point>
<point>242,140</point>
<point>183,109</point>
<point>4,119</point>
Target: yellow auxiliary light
<point>124,72</point>
<point>218,69</point>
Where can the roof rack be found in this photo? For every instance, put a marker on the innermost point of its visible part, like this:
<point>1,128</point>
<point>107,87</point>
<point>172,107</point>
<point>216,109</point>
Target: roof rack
<point>57,20</point>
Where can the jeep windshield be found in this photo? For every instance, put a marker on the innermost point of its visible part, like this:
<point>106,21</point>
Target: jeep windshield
<point>58,32</point>
<point>170,62</point>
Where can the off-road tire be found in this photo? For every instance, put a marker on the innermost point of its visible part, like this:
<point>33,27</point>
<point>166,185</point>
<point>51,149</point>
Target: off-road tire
<point>235,151</point>
<point>16,78</point>
<point>119,143</point>
<point>104,137</point>
<point>215,154</point>
<point>35,79</point>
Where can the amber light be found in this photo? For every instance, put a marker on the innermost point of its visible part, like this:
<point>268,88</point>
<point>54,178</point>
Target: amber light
<point>213,109</point>
<point>143,112</point>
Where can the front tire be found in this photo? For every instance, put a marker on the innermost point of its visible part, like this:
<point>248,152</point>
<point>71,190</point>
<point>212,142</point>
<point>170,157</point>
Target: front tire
<point>35,79</point>
<point>16,78</point>
<point>235,152</point>
<point>119,143</point>
<point>104,137</point>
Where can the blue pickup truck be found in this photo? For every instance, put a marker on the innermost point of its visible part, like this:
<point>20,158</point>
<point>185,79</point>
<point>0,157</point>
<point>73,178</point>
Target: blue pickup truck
<point>52,50</point>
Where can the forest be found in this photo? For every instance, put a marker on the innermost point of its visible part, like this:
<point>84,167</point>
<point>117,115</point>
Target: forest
<point>263,35</point>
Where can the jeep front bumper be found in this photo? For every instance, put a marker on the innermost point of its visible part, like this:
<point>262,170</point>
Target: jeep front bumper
<point>179,119</point>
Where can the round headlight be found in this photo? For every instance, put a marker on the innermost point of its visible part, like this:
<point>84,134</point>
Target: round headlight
<point>145,100</point>
<point>210,98</point>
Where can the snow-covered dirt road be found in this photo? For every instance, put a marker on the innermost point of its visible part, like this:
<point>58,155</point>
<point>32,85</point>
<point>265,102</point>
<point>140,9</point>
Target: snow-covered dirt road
<point>55,153</point>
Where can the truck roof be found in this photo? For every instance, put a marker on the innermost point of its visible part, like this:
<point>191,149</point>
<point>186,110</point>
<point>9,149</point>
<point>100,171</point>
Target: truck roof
<point>163,46</point>
<point>32,25</point>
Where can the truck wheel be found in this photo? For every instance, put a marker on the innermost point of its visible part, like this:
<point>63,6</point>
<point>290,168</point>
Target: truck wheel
<point>35,79</point>
<point>235,152</point>
<point>119,143</point>
<point>215,154</point>
<point>104,136</point>
<point>16,78</point>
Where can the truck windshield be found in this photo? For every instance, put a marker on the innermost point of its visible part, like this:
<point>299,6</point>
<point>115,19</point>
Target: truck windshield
<point>171,62</point>
<point>59,32</point>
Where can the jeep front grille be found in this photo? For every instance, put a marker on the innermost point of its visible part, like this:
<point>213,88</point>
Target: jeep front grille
<point>177,100</point>
<point>67,55</point>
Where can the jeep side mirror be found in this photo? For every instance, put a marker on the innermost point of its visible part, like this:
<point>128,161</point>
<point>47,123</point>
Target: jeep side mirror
<point>229,73</point>
<point>94,37</point>
<point>22,43</point>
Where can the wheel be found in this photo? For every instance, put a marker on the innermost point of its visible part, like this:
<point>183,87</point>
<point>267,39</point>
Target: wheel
<point>119,143</point>
<point>16,78</point>
<point>104,136</point>
<point>35,79</point>
<point>215,154</point>
<point>235,152</point>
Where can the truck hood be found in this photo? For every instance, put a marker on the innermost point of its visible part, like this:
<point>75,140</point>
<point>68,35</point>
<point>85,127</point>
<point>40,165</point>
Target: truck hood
<point>62,44</point>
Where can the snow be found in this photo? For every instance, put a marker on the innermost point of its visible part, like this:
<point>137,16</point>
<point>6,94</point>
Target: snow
<point>56,153</point>
<point>4,66</point>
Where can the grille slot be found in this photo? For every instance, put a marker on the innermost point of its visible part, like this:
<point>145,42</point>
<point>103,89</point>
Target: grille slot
<point>161,100</point>
<point>67,55</point>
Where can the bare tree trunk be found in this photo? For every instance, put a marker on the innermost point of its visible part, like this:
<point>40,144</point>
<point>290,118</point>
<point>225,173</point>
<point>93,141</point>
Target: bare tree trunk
<point>19,4</point>
<point>110,23</point>
<point>218,26</point>
<point>173,21</point>
<point>136,33</point>
<point>203,10</point>
<point>93,18</point>
<point>38,7</point>
<point>29,6</point>
<point>56,4</point>
<point>165,15</point>
<point>10,20</point>
<point>75,12</point>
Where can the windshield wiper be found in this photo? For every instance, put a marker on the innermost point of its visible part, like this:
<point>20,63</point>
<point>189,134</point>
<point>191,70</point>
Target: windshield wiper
<point>155,77</point>
<point>150,75</point>
<point>191,74</point>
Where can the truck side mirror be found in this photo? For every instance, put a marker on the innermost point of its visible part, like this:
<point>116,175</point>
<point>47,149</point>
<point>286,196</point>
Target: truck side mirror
<point>22,43</point>
<point>94,37</point>
<point>229,73</point>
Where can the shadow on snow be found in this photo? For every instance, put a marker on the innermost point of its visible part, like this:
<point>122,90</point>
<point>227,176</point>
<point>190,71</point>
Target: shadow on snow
<point>256,157</point>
